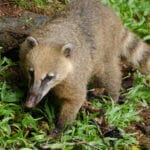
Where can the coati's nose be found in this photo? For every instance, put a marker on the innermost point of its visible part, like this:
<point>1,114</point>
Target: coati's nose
<point>29,104</point>
<point>32,100</point>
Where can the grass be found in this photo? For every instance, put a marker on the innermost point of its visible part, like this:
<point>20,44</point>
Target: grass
<point>135,15</point>
<point>141,90</point>
<point>21,129</point>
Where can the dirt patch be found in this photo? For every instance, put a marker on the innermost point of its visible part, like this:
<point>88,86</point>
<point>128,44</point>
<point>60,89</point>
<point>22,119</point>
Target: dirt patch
<point>142,129</point>
<point>6,9</point>
<point>10,8</point>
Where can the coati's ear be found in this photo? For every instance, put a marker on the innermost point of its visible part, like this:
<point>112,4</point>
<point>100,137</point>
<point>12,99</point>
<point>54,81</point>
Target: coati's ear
<point>26,46</point>
<point>67,49</point>
<point>31,42</point>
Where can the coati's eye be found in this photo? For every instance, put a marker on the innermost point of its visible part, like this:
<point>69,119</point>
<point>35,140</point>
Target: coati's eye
<point>48,77</point>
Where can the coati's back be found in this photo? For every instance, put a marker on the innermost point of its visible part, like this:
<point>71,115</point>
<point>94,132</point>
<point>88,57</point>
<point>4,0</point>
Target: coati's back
<point>99,26</point>
<point>104,35</point>
<point>94,24</point>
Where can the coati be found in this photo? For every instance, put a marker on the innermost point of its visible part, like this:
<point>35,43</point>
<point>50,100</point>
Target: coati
<point>83,43</point>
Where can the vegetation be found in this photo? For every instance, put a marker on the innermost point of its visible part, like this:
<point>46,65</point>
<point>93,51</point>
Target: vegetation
<point>21,129</point>
<point>135,15</point>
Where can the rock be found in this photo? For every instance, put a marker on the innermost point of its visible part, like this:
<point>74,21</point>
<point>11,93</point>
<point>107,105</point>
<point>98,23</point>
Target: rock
<point>13,30</point>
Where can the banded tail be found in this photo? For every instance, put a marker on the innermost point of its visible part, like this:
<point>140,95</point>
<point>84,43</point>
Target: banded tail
<point>136,52</point>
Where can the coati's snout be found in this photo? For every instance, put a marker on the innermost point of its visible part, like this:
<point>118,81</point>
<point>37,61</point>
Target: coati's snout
<point>34,96</point>
<point>39,89</point>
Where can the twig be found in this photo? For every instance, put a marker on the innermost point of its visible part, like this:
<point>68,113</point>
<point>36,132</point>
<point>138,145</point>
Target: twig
<point>60,145</point>
<point>79,142</point>
<point>100,133</point>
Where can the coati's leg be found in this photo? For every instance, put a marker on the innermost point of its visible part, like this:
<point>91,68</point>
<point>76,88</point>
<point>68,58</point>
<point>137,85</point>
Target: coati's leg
<point>68,112</point>
<point>72,98</point>
<point>111,80</point>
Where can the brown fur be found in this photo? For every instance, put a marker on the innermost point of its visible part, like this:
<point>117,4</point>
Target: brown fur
<point>99,41</point>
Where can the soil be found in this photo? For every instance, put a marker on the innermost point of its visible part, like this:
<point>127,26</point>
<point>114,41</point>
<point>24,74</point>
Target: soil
<point>6,9</point>
<point>142,129</point>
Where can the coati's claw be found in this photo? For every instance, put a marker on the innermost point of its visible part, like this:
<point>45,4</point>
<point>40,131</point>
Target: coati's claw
<point>55,134</point>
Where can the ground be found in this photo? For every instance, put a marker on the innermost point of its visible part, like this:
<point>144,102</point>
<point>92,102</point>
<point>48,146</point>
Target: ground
<point>6,9</point>
<point>143,128</point>
<point>101,124</point>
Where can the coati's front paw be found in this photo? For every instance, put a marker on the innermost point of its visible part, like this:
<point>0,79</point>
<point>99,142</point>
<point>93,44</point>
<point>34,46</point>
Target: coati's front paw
<point>54,134</point>
<point>59,128</point>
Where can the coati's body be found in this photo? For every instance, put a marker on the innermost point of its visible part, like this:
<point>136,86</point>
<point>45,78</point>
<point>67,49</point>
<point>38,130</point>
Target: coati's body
<point>84,42</point>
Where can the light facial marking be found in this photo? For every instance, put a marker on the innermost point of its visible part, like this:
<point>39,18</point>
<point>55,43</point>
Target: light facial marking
<point>31,72</point>
<point>51,74</point>
<point>31,69</point>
